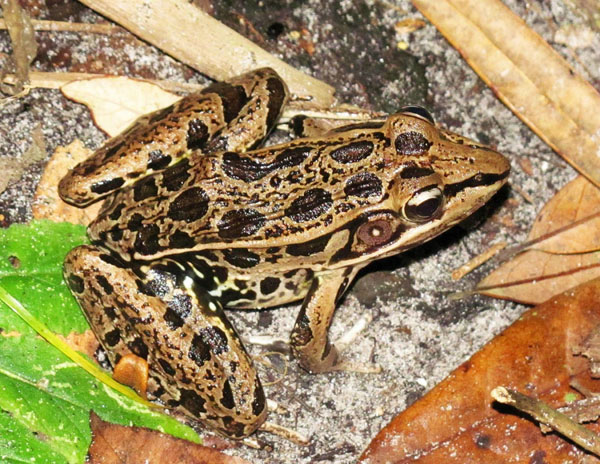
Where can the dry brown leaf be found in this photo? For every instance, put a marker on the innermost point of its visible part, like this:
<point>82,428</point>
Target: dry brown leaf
<point>47,204</point>
<point>564,253</point>
<point>116,102</point>
<point>457,421</point>
<point>116,444</point>
<point>23,44</point>
<point>534,81</point>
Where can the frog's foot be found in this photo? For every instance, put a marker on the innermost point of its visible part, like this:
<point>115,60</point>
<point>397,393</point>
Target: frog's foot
<point>342,343</point>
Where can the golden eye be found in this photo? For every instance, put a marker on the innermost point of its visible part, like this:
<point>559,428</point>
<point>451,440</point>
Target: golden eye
<point>375,232</point>
<point>424,204</point>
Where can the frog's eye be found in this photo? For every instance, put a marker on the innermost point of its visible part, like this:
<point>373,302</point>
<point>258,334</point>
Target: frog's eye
<point>424,204</point>
<point>417,111</point>
<point>375,233</point>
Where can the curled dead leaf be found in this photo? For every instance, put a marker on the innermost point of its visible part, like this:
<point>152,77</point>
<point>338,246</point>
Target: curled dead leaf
<point>562,250</point>
<point>116,102</point>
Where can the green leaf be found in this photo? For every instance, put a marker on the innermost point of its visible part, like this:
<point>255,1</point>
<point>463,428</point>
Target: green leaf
<point>45,398</point>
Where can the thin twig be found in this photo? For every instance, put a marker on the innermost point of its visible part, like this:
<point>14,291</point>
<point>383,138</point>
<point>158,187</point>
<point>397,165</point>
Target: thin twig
<point>543,413</point>
<point>63,26</point>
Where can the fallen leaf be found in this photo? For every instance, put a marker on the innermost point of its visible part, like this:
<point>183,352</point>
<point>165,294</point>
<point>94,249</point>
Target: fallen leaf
<point>457,421</point>
<point>563,251</point>
<point>116,102</point>
<point>46,203</point>
<point>533,80</point>
<point>122,445</point>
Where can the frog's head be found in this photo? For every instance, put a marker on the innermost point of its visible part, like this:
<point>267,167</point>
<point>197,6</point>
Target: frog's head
<point>434,179</point>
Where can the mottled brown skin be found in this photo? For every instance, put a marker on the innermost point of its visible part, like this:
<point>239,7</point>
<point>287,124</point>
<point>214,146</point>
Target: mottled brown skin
<point>197,217</point>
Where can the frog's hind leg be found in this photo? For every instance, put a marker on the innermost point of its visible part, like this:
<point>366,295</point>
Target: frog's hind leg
<point>197,363</point>
<point>234,115</point>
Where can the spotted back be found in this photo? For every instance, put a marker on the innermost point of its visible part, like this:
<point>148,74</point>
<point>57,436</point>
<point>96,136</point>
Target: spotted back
<point>334,199</point>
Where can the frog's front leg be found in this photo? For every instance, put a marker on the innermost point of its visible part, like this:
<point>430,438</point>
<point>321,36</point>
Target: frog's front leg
<point>309,339</point>
<point>197,364</point>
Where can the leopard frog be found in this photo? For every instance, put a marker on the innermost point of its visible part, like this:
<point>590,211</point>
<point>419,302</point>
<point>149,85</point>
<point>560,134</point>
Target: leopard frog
<point>198,217</point>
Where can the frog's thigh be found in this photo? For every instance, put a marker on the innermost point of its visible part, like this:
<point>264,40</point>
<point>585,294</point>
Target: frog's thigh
<point>309,339</point>
<point>197,363</point>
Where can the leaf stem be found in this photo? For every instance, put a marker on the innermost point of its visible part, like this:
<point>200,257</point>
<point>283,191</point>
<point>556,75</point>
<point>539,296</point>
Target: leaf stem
<point>16,306</point>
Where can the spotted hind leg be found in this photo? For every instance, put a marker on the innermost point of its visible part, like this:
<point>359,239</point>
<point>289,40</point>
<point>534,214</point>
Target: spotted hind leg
<point>235,115</point>
<point>197,364</point>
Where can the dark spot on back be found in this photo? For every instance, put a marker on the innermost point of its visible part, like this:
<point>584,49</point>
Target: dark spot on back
<point>107,185</point>
<point>312,204</point>
<point>189,206</point>
<point>292,157</point>
<point>268,285</point>
<point>110,312</point>
<point>243,168</point>
<point>181,239</point>
<point>145,188</point>
<point>112,260</point>
<point>135,222</point>
<point>181,303</point>
<point>483,441</point>
<point>240,223</point>
<point>199,350</point>
<point>353,152</point>
<point>146,241</point>
<point>258,404</point>
<point>363,185</point>
<point>412,143</point>
<point>215,338</point>
<point>116,235</point>
<point>197,134</point>
<point>174,178</point>
<point>158,160</point>
<point>241,257</point>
